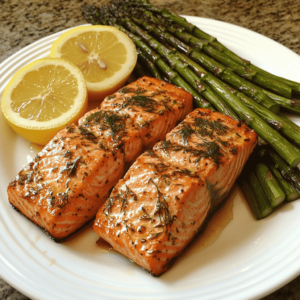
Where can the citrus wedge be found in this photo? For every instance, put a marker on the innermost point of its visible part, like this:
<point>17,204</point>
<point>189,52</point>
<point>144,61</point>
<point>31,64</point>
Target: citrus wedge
<point>105,55</point>
<point>43,97</point>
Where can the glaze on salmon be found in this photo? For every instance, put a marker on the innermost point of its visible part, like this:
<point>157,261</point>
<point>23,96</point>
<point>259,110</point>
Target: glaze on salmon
<point>63,188</point>
<point>168,193</point>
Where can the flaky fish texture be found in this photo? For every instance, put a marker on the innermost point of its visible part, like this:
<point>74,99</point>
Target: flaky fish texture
<point>63,188</point>
<point>158,208</point>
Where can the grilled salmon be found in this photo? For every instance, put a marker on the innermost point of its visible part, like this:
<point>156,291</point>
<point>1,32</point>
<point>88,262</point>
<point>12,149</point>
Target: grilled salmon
<point>157,209</point>
<point>63,188</point>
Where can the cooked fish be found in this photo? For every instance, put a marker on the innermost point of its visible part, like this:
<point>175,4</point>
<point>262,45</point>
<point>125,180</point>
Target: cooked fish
<point>157,209</point>
<point>72,177</point>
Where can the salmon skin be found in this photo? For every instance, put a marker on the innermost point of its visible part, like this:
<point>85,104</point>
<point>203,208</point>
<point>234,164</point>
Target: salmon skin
<point>63,188</point>
<point>166,196</point>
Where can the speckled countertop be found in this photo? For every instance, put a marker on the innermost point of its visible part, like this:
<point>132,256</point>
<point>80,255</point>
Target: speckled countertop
<point>25,21</point>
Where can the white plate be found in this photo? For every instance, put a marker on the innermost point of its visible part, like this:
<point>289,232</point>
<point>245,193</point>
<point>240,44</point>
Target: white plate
<point>250,259</point>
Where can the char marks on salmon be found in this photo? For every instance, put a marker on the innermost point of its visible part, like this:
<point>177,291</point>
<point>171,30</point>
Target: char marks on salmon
<point>69,180</point>
<point>158,208</point>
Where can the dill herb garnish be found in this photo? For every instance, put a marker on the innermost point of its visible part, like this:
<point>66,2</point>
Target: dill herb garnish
<point>71,130</point>
<point>160,167</point>
<point>113,122</point>
<point>205,127</point>
<point>109,120</point>
<point>151,153</point>
<point>126,90</point>
<point>233,150</point>
<point>186,131</point>
<point>208,150</point>
<point>161,207</point>
<point>88,134</point>
<point>71,166</point>
<point>148,104</point>
<point>109,203</point>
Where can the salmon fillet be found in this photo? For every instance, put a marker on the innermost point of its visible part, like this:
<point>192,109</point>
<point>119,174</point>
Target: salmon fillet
<point>158,208</point>
<point>61,189</point>
<point>72,177</point>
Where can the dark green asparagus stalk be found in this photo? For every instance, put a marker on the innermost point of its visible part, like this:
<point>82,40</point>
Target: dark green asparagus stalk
<point>292,175</point>
<point>270,185</point>
<point>290,193</point>
<point>149,64</point>
<point>95,16</point>
<point>255,196</point>
<point>242,70</point>
<point>218,69</point>
<point>212,66</point>
<point>282,146</point>
<point>287,120</point>
<point>289,104</point>
<point>204,36</point>
<point>287,128</point>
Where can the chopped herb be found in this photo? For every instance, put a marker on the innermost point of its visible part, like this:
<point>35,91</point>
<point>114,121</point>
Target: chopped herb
<point>161,207</point>
<point>233,150</point>
<point>160,167</point>
<point>186,131</point>
<point>67,154</point>
<point>154,235</point>
<point>71,166</point>
<point>148,104</point>
<point>151,153</point>
<point>108,120</point>
<point>205,127</point>
<point>88,134</point>
<point>209,149</point>
<point>109,203</point>
<point>71,130</point>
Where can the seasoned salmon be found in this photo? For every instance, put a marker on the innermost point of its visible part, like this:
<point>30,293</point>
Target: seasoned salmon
<point>63,188</point>
<point>156,106</point>
<point>158,208</point>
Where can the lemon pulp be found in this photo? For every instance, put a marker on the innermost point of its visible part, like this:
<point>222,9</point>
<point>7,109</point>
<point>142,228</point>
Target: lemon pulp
<point>99,55</point>
<point>105,55</point>
<point>44,94</point>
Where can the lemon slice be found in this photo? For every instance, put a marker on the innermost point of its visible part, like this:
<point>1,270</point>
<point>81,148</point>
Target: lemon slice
<point>43,97</point>
<point>105,55</point>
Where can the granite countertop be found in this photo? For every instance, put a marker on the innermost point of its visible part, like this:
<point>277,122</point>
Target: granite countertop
<point>25,21</point>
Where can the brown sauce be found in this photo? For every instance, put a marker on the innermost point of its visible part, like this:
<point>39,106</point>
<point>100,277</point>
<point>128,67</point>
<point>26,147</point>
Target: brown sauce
<point>215,226</point>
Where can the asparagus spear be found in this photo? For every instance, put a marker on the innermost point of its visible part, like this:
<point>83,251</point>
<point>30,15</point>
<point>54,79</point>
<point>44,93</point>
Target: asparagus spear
<point>287,120</point>
<point>292,175</point>
<point>289,104</point>
<point>287,128</point>
<point>150,65</point>
<point>269,184</point>
<point>95,16</point>
<point>214,67</point>
<point>290,193</point>
<point>202,35</point>
<point>255,196</point>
